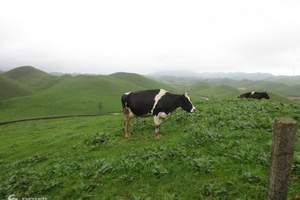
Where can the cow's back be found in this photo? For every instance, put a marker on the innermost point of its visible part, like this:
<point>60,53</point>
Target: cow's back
<point>141,102</point>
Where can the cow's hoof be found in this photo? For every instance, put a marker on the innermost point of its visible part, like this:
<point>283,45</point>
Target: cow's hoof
<point>157,137</point>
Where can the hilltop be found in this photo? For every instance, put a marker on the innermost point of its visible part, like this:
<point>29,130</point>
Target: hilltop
<point>138,79</point>
<point>25,72</point>
<point>31,77</point>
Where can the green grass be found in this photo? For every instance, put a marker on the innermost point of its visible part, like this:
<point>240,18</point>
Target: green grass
<point>10,89</point>
<point>220,152</point>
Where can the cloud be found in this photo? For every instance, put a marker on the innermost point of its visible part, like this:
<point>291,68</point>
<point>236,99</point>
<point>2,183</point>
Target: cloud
<point>143,36</point>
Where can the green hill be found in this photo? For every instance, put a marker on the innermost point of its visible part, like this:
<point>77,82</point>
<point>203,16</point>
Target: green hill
<point>274,87</point>
<point>289,80</point>
<point>215,91</point>
<point>278,88</point>
<point>293,90</point>
<point>32,78</point>
<point>78,95</point>
<point>138,79</point>
<point>9,89</point>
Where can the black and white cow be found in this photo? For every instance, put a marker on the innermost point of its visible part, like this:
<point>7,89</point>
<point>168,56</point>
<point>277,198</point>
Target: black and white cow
<point>255,95</point>
<point>158,103</point>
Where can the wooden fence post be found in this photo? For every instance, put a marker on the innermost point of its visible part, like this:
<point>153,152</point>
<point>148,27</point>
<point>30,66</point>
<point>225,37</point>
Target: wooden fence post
<point>284,136</point>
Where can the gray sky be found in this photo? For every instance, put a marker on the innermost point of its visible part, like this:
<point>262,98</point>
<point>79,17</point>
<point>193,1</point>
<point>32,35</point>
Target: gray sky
<point>147,36</point>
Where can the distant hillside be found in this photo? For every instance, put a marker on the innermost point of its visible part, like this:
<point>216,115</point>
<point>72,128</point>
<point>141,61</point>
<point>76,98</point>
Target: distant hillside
<point>288,86</point>
<point>30,77</point>
<point>184,75</point>
<point>141,80</point>
<point>209,90</point>
<point>9,89</point>
<point>289,80</point>
<point>80,94</point>
<point>269,86</point>
<point>281,85</point>
<point>42,94</point>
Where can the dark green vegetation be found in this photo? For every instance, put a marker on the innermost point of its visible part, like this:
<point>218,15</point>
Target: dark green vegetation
<point>220,152</point>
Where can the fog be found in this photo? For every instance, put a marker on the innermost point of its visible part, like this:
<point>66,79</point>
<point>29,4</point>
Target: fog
<point>148,36</point>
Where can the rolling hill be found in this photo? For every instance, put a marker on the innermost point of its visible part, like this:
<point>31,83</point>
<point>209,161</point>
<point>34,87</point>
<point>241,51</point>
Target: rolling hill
<point>281,85</point>
<point>78,95</point>
<point>138,79</point>
<point>41,94</point>
<point>32,78</point>
<point>209,90</point>
<point>289,80</point>
<point>9,89</point>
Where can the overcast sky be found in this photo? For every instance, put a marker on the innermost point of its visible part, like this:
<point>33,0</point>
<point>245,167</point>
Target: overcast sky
<point>147,36</point>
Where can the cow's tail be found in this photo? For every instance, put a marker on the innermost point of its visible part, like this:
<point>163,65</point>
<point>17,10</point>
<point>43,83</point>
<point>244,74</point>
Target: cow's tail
<point>124,100</point>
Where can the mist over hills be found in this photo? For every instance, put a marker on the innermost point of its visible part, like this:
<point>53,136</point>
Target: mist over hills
<point>235,82</point>
<point>190,75</point>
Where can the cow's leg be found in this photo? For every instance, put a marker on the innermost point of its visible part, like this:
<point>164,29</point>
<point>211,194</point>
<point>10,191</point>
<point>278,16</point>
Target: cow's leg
<point>126,122</point>
<point>128,115</point>
<point>157,122</point>
<point>127,125</point>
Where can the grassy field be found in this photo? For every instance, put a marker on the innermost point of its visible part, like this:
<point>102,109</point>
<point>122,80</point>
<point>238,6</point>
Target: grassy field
<point>220,152</point>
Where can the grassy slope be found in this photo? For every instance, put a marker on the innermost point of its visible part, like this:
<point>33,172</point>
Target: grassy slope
<point>221,152</point>
<point>141,80</point>
<point>210,90</point>
<point>278,88</point>
<point>32,78</point>
<point>9,89</point>
<point>289,80</point>
<point>77,95</point>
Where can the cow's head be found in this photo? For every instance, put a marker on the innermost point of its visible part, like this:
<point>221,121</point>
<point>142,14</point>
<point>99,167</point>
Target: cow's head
<point>186,103</point>
<point>266,95</point>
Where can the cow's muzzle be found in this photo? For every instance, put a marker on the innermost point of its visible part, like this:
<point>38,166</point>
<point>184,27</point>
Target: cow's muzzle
<point>193,109</point>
